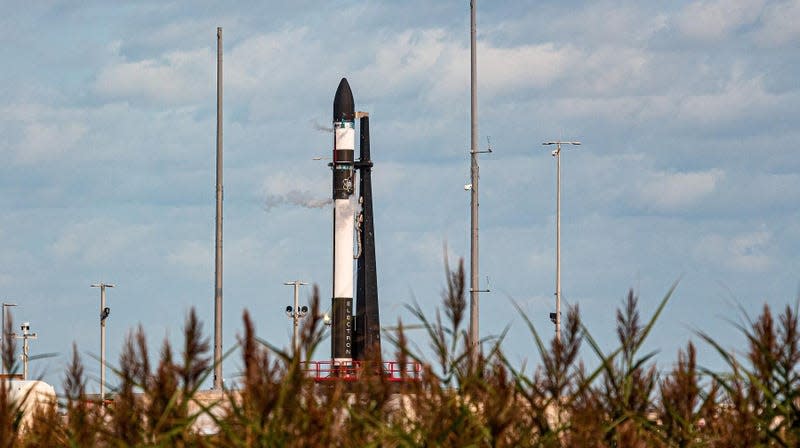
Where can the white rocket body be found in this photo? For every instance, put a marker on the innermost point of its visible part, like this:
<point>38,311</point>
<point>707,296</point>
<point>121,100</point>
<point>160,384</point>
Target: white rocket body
<point>344,142</point>
<point>343,232</point>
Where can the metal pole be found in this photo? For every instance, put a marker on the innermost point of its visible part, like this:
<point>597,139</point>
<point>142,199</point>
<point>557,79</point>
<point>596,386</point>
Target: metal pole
<point>557,155</point>
<point>102,345</point>
<point>474,176</point>
<point>558,242</point>
<point>26,334</point>
<point>295,341</point>
<point>25,356</point>
<point>103,317</point>
<point>296,314</point>
<point>25,359</point>
<point>218,252</point>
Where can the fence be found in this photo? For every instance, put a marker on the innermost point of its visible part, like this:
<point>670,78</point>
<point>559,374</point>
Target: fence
<point>392,371</point>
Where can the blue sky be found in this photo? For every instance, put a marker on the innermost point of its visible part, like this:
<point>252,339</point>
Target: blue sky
<point>689,168</point>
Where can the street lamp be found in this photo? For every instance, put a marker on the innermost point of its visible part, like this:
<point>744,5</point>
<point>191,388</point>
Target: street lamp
<point>3,324</point>
<point>556,317</point>
<point>296,313</point>
<point>104,312</point>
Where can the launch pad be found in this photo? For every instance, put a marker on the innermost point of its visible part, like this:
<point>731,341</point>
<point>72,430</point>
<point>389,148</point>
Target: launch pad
<point>391,371</point>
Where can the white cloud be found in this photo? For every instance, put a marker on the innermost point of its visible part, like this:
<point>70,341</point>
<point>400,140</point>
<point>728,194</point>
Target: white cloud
<point>745,252</point>
<point>175,78</point>
<point>509,69</point>
<point>38,133</point>
<point>272,59</point>
<point>417,59</point>
<point>283,182</point>
<point>738,98</point>
<point>6,280</point>
<point>779,23</point>
<point>43,140</point>
<point>428,249</point>
<point>609,71</point>
<point>439,63</point>
<point>664,191</point>
<point>192,254</point>
<point>99,240</point>
<point>611,21</point>
<point>617,108</point>
<point>251,253</point>
<point>713,20</point>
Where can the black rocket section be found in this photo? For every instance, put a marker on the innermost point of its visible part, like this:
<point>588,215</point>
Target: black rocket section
<point>343,111</point>
<point>368,327</point>
<point>344,107</point>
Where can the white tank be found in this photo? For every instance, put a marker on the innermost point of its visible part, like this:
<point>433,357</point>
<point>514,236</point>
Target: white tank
<point>30,396</point>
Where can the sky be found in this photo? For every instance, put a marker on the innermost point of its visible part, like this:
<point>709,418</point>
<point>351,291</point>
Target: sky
<point>689,169</point>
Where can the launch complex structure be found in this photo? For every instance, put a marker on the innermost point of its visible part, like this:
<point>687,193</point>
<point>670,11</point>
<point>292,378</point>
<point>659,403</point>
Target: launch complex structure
<point>355,339</point>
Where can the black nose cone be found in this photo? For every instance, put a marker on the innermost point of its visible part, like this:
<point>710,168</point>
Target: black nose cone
<point>344,108</point>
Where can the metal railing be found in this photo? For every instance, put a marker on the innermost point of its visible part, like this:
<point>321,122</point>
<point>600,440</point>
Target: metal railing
<point>392,371</point>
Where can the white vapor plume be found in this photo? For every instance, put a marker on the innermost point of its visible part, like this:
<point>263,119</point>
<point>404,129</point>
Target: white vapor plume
<point>295,197</point>
<point>321,127</point>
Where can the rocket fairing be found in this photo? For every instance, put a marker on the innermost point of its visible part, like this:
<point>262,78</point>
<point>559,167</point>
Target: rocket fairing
<point>342,324</point>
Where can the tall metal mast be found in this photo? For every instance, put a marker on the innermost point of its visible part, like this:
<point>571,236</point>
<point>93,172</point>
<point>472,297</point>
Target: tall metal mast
<point>473,260</point>
<point>218,252</point>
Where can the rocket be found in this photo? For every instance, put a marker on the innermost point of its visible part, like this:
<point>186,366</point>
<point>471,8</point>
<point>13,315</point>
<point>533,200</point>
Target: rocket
<point>354,337</point>
<point>342,325</point>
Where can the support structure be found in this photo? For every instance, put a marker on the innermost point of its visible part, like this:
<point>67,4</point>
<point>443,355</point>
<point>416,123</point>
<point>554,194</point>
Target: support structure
<point>368,325</point>
<point>218,233</point>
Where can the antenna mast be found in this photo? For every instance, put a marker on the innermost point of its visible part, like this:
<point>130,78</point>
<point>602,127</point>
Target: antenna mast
<point>474,176</point>
<point>218,252</point>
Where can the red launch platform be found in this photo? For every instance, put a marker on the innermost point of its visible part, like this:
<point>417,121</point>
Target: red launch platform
<point>393,371</point>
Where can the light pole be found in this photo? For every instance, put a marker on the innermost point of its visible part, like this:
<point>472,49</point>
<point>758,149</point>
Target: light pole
<point>556,317</point>
<point>104,312</point>
<point>296,313</point>
<point>3,324</point>
<point>26,334</point>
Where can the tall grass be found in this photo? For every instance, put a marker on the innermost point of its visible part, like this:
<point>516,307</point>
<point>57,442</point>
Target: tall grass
<point>460,400</point>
